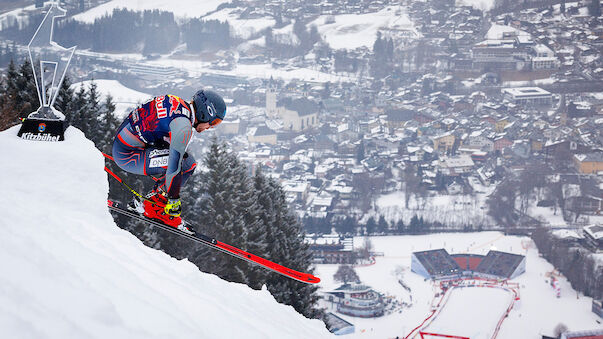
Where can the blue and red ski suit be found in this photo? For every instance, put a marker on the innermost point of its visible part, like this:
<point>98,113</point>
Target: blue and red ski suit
<point>153,139</point>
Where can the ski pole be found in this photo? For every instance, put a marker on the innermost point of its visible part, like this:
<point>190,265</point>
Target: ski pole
<point>124,184</point>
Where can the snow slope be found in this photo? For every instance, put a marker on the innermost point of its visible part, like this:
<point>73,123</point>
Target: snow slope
<point>450,210</point>
<point>182,8</point>
<point>124,98</point>
<point>350,31</point>
<point>457,318</point>
<point>69,272</point>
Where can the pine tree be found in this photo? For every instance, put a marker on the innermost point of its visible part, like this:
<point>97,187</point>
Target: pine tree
<point>64,100</point>
<point>371,226</point>
<point>108,125</point>
<point>8,94</point>
<point>382,225</point>
<point>219,215</point>
<point>250,210</point>
<point>400,226</point>
<point>91,113</point>
<point>76,114</point>
<point>288,248</point>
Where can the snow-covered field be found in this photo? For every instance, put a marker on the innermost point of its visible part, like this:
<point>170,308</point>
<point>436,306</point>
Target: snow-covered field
<point>484,5</point>
<point>537,312</point>
<point>69,272</point>
<point>243,28</point>
<point>451,210</point>
<point>350,31</point>
<point>181,8</point>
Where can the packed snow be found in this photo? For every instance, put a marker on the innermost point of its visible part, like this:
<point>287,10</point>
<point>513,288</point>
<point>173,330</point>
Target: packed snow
<point>69,272</point>
<point>537,312</point>
<point>456,318</point>
<point>184,8</point>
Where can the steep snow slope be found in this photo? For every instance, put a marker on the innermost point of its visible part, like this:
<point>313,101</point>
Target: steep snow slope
<point>67,271</point>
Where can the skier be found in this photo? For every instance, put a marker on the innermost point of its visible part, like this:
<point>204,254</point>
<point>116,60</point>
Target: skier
<point>152,141</point>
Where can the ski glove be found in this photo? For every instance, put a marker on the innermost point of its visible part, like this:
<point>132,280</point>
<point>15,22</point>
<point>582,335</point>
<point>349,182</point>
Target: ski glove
<point>173,207</point>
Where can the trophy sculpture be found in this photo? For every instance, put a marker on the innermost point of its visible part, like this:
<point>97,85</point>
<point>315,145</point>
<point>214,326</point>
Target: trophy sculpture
<point>49,68</point>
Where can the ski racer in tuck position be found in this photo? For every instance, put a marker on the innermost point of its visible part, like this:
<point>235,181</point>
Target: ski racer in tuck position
<point>153,140</point>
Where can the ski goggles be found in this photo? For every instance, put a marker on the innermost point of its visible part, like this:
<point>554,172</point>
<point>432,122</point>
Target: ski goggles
<point>215,122</point>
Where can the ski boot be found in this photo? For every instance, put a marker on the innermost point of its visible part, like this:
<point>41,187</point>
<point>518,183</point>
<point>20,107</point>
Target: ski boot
<point>153,206</point>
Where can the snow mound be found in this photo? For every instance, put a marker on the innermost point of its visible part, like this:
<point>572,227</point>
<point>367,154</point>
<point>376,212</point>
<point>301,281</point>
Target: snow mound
<point>69,272</point>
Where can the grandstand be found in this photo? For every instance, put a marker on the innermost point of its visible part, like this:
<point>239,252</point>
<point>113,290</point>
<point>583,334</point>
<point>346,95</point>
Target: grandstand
<point>502,264</point>
<point>438,264</point>
<point>434,263</point>
<point>468,262</point>
<point>593,334</point>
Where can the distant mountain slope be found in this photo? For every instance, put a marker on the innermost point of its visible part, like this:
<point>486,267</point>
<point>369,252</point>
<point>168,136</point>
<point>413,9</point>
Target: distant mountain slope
<point>185,8</point>
<point>69,272</point>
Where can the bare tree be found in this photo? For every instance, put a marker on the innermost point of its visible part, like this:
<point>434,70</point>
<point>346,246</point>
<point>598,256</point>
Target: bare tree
<point>559,330</point>
<point>501,203</point>
<point>345,274</point>
<point>412,182</point>
<point>366,249</point>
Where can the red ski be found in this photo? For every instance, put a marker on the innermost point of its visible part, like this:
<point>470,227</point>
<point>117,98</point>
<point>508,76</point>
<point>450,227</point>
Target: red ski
<point>213,243</point>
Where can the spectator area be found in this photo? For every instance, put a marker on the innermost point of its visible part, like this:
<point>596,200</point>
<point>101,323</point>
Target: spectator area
<point>438,264</point>
<point>500,264</point>
<point>468,261</point>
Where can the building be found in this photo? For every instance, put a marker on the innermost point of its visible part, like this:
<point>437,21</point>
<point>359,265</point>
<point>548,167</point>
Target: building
<point>230,127</point>
<point>297,114</point>
<point>455,166</point>
<point>592,334</point>
<point>261,135</point>
<point>434,264</point>
<point>497,55</point>
<point>396,118</point>
<point>593,237</point>
<point>543,58</point>
<point>337,325</point>
<point>332,250</point>
<point>444,142</point>
<point>357,300</point>
<point>528,96</point>
<point>591,163</point>
<point>438,264</point>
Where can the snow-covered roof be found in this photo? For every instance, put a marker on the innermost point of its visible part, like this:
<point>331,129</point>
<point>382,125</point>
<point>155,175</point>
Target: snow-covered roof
<point>595,231</point>
<point>519,92</point>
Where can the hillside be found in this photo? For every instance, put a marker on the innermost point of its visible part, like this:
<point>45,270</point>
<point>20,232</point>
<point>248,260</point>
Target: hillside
<point>69,272</point>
